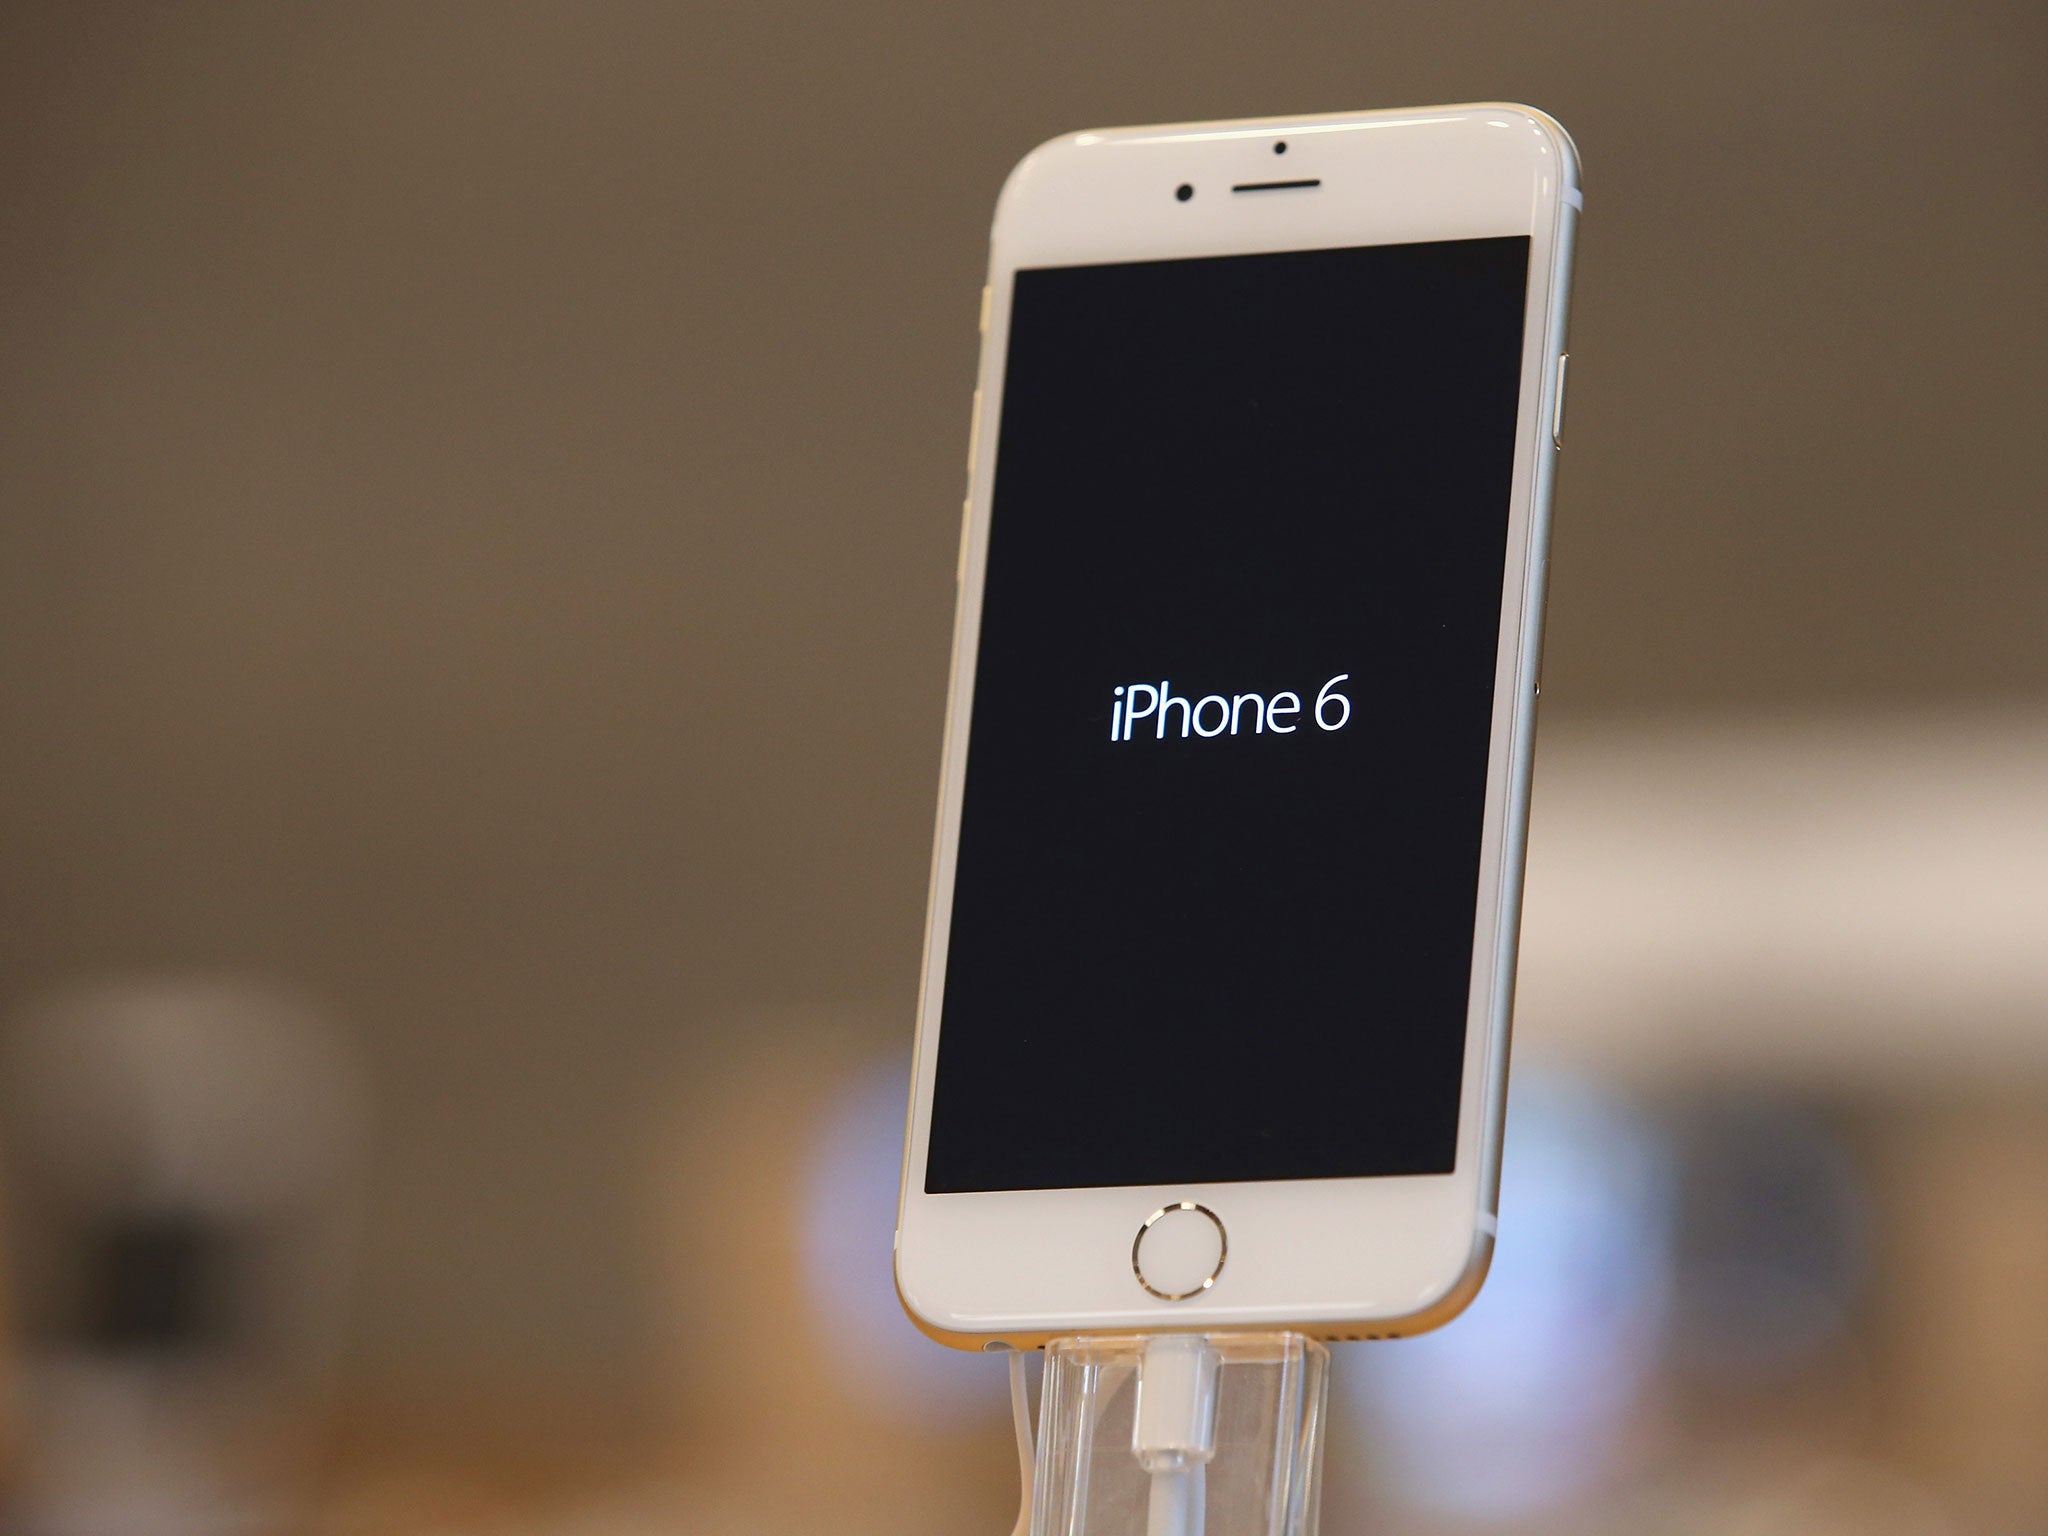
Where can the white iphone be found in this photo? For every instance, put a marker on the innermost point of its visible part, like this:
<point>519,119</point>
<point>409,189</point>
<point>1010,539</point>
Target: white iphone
<point>1221,945</point>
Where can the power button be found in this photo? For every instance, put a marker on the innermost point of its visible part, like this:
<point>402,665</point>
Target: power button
<point>1557,403</point>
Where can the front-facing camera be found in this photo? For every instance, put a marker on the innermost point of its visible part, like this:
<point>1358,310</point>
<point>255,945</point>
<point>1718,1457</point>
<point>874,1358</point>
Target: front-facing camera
<point>1184,192</point>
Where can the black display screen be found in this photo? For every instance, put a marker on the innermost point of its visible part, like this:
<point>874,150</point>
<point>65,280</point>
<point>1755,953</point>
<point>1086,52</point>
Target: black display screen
<point>1219,849</point>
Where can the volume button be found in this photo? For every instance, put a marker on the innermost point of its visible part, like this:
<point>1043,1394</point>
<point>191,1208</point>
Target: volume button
<point>960,569</point>
<point>984,308</point>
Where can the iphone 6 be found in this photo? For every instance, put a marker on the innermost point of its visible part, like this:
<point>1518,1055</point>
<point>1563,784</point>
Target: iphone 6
<point>1221,943</point>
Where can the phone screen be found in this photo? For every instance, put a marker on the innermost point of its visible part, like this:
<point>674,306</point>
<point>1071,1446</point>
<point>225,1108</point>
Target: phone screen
<point>1219,846</point>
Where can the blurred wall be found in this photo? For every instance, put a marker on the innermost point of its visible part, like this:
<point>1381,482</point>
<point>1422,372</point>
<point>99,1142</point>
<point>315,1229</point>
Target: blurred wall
<point>480,485</point>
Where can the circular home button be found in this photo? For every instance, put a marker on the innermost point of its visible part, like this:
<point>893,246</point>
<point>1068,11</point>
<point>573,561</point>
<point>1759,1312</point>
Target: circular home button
<point>1179,1251</point>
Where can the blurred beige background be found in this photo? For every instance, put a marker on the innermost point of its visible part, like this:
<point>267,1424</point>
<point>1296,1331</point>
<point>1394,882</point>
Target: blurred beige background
<point>479,483</point>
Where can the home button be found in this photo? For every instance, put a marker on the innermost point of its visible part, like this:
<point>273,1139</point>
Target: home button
<point>1179,1251</point>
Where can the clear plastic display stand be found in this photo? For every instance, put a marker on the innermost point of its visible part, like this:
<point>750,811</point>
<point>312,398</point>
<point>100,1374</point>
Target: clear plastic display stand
<point>1181,1434</point>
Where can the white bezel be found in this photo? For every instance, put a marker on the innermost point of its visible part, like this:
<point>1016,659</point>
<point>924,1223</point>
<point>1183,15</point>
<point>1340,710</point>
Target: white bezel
<point>1332,1256</point>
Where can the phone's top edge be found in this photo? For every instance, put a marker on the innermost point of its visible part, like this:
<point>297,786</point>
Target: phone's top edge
<point>1252,127</point>
<point>1309,122</point>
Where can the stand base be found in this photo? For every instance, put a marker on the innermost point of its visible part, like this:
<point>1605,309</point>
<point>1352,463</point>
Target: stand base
<point>1183,1434</point>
